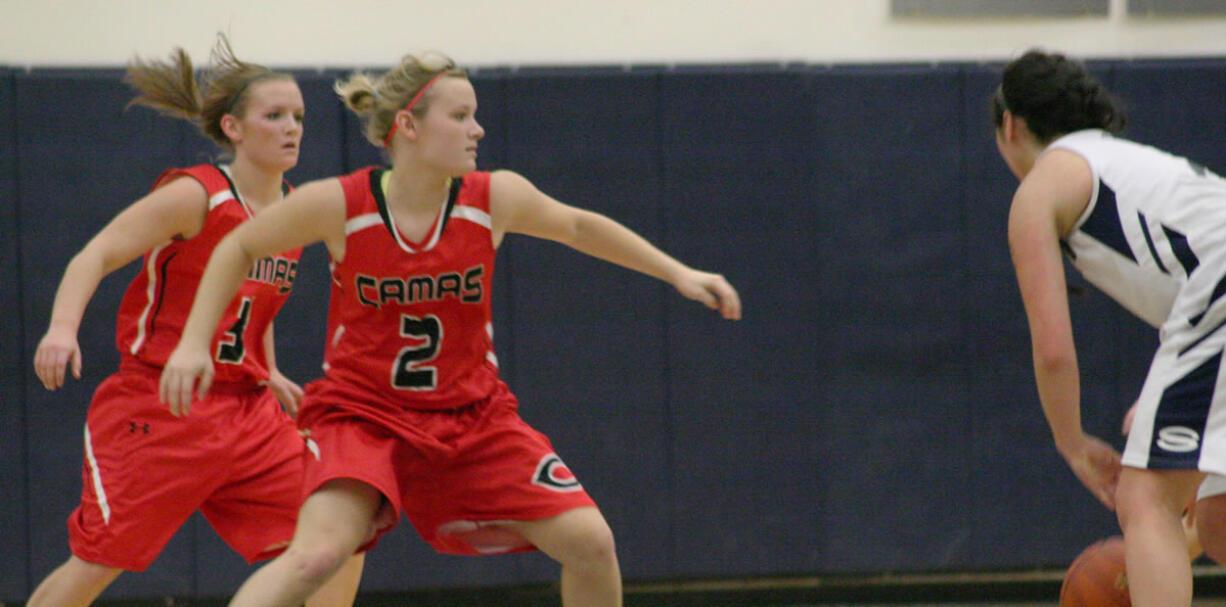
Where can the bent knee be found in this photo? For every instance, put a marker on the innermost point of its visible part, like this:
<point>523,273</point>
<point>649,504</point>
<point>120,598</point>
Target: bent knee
<point>315,565</point>
<point>593,545</point>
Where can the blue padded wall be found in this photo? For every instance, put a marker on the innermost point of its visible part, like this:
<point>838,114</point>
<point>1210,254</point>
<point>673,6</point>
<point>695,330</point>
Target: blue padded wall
<point>740,197</point>
<point>1175,105</point>
<point>890,171</point>
<point>14,368</point>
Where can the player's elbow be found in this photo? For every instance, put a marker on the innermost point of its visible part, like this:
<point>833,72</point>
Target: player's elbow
<point>1049,361</point>
<point>583,227</point>
<point>232,253</point>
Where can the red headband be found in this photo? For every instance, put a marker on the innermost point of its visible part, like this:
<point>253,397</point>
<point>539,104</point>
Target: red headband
<point>387,140</point>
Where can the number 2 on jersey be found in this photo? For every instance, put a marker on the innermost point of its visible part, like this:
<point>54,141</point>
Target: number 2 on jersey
<point>409,374</point>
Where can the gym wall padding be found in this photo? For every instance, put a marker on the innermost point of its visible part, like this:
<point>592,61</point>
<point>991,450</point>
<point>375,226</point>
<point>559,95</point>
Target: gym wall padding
<point>14,515</point>
<point>746,399</point>
<point>874,411</point>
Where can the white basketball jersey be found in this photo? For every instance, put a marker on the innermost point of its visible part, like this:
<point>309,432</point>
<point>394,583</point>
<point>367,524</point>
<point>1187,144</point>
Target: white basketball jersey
<point>1153,236</point>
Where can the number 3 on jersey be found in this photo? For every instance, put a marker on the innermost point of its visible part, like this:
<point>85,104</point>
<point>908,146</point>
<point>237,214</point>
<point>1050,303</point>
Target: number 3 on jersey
<point>409,374</point>
<point>230,348</point>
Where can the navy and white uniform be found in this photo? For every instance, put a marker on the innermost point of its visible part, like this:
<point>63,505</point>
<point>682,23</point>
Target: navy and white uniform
<point>1153,237</point>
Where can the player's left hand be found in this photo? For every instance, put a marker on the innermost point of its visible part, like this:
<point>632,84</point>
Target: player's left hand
<point>286,391</point>
<point>712,290</point>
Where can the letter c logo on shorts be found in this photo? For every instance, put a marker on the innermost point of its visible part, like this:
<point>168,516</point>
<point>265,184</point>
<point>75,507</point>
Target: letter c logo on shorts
<point>552,474</point>
<point>1178,439</point>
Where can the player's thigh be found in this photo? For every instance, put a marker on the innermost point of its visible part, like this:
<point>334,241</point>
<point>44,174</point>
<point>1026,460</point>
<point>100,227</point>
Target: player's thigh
<point>340,514</point>
<point>577,534</point>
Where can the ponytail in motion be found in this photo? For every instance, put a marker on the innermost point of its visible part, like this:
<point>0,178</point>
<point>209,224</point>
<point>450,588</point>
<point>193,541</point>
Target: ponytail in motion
<point>171,87</point>
<point>377,100</point>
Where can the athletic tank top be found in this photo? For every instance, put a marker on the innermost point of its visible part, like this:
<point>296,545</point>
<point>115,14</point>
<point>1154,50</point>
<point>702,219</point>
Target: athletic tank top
<point>157,302</point>
<point>1153,235</point>
<point>409,322</point>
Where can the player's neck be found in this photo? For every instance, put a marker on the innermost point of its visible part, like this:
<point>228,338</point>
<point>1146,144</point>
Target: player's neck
<point>415,191</point>
<point>1029,155</point>
<point>257,187</point>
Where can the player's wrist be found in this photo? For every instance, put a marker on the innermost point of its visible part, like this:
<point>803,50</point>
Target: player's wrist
<point>63,326</point>
<point>1069,443</point>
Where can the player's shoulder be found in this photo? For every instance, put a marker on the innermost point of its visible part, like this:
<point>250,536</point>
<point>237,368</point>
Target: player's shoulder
<point>1059,185</point>
<point>211,177</point>
<point>505,183</point>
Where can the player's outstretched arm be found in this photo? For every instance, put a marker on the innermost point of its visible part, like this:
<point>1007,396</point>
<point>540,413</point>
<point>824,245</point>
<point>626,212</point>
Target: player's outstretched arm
<point>519,207</point>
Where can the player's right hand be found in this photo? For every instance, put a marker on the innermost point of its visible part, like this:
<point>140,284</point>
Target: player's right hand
<point>56,353</point>
<point>185,366</point>
<point>711,290</point>
<point>1097,466</point>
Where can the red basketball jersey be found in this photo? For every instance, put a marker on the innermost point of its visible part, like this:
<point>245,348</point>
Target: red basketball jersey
<point>156,304</point>
<point>409,323</point>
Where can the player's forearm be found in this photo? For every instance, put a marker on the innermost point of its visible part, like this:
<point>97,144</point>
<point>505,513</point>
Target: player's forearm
<point>1060,394</point>
<point>77,287</point>
<point>604,238</point>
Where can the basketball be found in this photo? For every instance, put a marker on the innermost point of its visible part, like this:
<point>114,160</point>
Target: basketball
<point>1096,577</point>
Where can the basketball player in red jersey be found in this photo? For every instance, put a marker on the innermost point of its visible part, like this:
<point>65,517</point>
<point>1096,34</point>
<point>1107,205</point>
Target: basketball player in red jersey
<point>239,461</point>
<point>411,415</point>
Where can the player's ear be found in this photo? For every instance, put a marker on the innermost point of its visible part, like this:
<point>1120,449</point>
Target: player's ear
<point>1007,125</point>
<point>1015,126</point>
<point>409,123</point>
<point>231,126</point>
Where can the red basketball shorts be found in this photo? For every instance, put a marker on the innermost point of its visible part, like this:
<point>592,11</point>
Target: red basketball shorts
<point>454,473</point>
<point>237,457</point>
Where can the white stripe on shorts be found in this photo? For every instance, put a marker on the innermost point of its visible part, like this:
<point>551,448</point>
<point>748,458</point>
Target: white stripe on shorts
<point>97,478</point>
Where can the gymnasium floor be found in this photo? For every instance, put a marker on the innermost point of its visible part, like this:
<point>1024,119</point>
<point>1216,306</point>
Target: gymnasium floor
<point>996,589</point>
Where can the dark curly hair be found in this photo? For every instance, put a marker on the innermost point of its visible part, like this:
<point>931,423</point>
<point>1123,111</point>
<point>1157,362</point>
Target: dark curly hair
<point>1055,95</point>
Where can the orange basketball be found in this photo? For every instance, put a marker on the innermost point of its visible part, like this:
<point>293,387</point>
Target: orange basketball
<point>1096,577</point>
